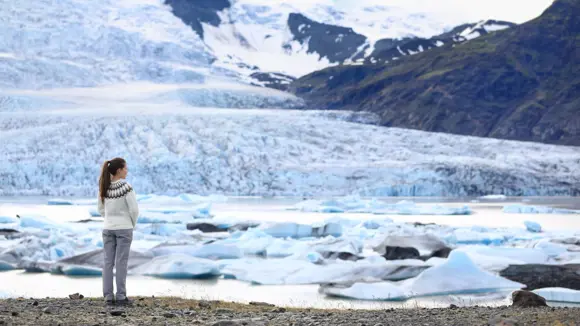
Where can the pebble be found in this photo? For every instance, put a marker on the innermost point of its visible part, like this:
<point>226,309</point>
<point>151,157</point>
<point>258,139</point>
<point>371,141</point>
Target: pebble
<point>169,315</point>
<point>48,310</point>
<point>117,312</point>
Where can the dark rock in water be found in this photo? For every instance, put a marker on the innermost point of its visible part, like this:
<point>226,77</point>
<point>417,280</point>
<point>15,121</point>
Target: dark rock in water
<point>441,253</point>
<point>88,221</point>
<point>9,233</point>
<point>396,253</point>
<point>410,247</point>
<point>204,227</point>
<point>544,276</point>
<point>340,256</point>
<point>527,299</point>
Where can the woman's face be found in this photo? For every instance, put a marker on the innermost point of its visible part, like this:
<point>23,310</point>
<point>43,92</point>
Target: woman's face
<point>122,173</point>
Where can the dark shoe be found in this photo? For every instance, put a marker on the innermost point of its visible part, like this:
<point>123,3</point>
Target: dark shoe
<point>110,302</point>
<point>125,302</point>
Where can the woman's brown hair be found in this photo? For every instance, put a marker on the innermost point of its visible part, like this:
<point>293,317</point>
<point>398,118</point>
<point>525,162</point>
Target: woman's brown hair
<point>109,168</point>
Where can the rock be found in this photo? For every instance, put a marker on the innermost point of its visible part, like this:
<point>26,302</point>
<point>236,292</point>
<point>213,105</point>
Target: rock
<point>279,310</point>
<point>452,306</point>
<point>204,227</point>
<point>263,304</point>
<point>169,315</point>
<point>204,304</point>
<point>14,314</point>
<point>537,276</point>
<point>397,253</point>
<point>35,303</point>
<point>76,296</point>
<point>224,311</point>
<point>500,321</point>
<point>48,310</point>
<point>441,253</point>
<point>117,312</point>
<point>527,299</point>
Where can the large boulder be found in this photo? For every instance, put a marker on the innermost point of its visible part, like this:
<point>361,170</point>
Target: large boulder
<point>527,299</point>
<point>537,276</point>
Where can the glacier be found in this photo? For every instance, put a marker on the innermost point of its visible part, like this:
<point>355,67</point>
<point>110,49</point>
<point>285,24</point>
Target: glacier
<point>266,152</point>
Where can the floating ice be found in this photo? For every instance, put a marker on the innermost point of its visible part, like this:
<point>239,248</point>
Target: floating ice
<point>527,209</point>
<point>458,275</point>
<point>295,230</point>
<point>210,251</point>
<point>38,222</point>
<point>72,270</point>
<point>94,212</point>
<point>59,202</point>
<point>178,266</point>
<point>494,197</point>
<point>559,294</point>
<point>7,219</point>
<point>5,266</point>
<point>303,271</point>
<point>499,258</point>
<point>354,204</point>
<point>533,226</point>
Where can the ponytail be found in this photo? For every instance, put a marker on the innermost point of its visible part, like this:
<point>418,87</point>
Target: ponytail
<point>109,168</point>
<point>104,181</point>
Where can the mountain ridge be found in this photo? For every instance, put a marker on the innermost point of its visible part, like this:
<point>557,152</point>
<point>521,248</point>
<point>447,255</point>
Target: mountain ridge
<point>521,83</point>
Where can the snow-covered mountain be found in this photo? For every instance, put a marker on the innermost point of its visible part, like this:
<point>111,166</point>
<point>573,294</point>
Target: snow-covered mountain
<point>71,43</point>
<point>273,43</point>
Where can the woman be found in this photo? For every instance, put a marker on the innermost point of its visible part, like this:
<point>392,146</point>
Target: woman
<point>117,203</point>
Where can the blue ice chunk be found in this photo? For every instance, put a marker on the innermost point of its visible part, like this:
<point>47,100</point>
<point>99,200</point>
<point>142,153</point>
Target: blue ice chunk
<point>533,226</point>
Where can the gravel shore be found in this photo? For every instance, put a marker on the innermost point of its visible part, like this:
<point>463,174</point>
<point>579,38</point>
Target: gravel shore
<point>173,311</point>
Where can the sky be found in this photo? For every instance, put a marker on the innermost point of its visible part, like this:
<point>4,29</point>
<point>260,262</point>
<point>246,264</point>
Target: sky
<point>517,11</point>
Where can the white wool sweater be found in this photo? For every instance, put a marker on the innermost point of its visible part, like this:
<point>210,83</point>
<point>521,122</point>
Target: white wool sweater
<point>120,208</point>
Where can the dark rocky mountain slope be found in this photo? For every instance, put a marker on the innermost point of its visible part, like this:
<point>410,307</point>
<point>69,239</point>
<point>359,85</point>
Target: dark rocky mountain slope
<point>522,83</point>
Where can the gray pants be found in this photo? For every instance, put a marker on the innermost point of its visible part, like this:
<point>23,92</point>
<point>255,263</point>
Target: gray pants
<point>116,244</point>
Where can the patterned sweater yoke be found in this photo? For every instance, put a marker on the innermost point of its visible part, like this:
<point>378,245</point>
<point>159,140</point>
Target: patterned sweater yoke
<point>119,209</point>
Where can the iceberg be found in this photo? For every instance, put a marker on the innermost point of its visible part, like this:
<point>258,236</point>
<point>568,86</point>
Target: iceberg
<point>7,219</point>
<point>179,266</point>
<point>74,270</point>
<point>354,204</point>
<point>94,212</point>
<point>494,197</point>
<point>528,209</point>
<point>304,271</point>
<point>59,202</point>
<point>209,251</point>
<point>295,230</point>
<point>533,226</point>
<point>559,294</point>
<point>457,275</point>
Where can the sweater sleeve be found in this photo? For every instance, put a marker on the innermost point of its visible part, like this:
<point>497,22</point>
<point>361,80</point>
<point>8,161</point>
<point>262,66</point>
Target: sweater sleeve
<point>131,199</point>
<point>100,206</point>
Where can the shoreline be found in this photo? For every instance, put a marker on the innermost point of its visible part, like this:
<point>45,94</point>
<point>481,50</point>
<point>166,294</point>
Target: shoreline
<point>176,311</point>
